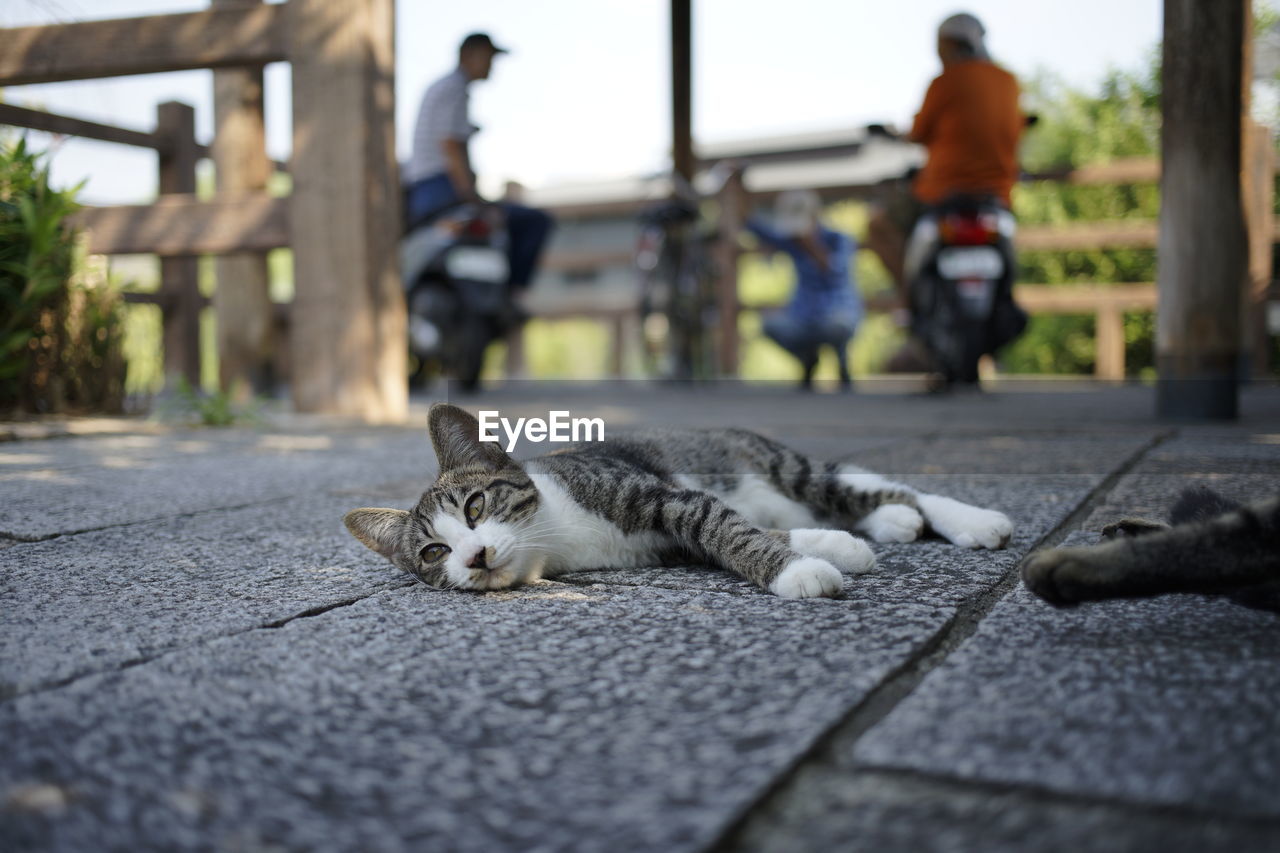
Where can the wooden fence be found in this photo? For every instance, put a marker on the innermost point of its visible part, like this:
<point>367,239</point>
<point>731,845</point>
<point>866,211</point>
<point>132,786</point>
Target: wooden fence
<point>347,320</point>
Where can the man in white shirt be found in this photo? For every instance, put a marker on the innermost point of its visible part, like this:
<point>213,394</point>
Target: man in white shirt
<point>439,174</point>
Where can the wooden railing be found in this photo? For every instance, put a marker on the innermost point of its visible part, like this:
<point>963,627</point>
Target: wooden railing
<point>1107,302</point>
<point>341,219</point>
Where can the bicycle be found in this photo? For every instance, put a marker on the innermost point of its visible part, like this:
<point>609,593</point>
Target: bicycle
<point>677,282</point>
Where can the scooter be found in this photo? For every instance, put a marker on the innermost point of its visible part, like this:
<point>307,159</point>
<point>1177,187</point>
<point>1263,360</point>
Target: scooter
<point>455,271</point>
<point>960,267</point>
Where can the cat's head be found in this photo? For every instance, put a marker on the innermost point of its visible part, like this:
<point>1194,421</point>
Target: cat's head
<point>473,529</point>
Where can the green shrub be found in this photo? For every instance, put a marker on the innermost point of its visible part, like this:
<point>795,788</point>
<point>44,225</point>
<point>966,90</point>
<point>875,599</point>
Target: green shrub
<point>60,327</point>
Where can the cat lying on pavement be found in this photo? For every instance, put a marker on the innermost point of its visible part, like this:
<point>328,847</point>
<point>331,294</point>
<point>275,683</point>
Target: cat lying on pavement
<point>728,497</point>
<point>1211,546</point>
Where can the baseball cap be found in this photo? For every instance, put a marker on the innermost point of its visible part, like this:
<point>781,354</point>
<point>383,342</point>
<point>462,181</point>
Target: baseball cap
<point>478,40</point>
<point>966,29</point>
<point>795,211</point>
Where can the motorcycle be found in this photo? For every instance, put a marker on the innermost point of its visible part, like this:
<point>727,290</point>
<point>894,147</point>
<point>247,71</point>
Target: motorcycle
<point>455,271</point>
<point>959,268</point>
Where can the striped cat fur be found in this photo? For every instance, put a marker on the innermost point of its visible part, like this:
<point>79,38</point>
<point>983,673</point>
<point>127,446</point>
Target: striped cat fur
<point>729,497</point>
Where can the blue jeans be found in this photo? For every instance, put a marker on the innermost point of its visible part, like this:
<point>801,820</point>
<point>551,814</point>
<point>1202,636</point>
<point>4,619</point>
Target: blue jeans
<point>803,338</point>
<point>527,228</point>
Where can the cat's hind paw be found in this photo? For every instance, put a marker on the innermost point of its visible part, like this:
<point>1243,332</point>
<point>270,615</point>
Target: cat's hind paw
<point>892,523</point>
<point>843,550</point>
<point>965,525</point>
<point>807,577</point>
<point>1061,576</point>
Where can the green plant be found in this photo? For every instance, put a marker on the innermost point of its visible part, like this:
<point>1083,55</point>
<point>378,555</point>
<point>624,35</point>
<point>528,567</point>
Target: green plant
<point>217,409</point>
<point>1077,128</point>
<point>60,328</point>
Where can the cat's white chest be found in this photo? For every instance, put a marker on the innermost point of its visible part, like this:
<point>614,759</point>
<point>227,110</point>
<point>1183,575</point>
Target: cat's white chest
<point>578,539</point>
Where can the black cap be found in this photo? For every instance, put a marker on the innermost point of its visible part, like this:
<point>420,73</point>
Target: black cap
<point>478,40</point>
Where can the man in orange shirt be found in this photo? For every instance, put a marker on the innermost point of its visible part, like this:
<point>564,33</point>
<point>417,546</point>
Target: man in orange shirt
<point>970,123</point>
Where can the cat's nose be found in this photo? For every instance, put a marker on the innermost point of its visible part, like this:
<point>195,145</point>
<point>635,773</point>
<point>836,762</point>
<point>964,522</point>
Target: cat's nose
<point>478,560</point>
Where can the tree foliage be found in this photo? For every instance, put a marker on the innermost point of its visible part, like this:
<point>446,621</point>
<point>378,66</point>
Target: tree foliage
<point>1076,128</point>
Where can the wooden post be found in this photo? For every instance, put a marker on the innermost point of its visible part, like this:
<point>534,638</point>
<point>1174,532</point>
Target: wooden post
<point>1202,248</point>
<point>617,326</point>
<point>1258,188</point>
<point>348,329</point>
<point>681,87</point>
<point>733,204</point>
<point>1109,343</point>
<point>241,301</point>
<point>180,300</point>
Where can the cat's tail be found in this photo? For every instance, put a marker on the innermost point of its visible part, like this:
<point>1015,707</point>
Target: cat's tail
<point>1199,503</point>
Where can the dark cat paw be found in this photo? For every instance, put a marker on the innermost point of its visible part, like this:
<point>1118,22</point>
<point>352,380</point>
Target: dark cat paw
<point>1130,527</point>
<point>1060,576</point>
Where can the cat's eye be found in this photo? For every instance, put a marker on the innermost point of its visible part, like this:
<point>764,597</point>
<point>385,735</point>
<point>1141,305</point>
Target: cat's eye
<point>475,506</point>
<point>433,552</point>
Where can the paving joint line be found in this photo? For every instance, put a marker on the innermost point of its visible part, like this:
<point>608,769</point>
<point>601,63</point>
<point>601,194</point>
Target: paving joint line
<point>7,694</point>
<point>1031,794</point>
<point>49,537</point>
<point>904,679</point>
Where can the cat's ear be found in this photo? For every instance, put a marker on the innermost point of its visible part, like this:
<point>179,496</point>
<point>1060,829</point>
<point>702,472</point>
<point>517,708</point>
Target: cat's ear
<point>455,434</point>
<point>379,529</point>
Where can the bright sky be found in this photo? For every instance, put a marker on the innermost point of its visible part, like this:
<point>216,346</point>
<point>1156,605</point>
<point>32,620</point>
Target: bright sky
<point>584,93</point>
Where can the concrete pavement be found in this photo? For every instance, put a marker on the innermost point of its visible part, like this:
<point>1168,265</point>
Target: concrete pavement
<point>195,655</point>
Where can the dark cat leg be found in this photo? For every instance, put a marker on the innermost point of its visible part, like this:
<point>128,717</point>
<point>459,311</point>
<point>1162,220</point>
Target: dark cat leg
<point>1132,527</point>
<point>1218,556</point>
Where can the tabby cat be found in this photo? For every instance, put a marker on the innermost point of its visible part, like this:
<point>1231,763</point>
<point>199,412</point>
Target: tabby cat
<point>1211,546</point>
<point>727,497</point>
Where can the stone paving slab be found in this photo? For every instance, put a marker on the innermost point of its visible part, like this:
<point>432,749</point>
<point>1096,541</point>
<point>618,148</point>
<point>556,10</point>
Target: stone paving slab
<point>241,568</point>
<point>1168,701</point>
<point>1160,702</point>
<point>111,487</point>
<point>99,600</point>
<point>594,713</point>
<point>834,810</point>
<point>551,718</point>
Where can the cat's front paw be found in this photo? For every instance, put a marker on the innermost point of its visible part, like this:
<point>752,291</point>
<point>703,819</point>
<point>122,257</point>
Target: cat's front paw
<point>965,525</point>
<point>892,523</point>
<point>843,550</point>
<point>807,577</point>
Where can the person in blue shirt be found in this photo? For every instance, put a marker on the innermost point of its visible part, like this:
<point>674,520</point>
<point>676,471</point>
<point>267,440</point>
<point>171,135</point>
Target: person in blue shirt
<point>825,307</point>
